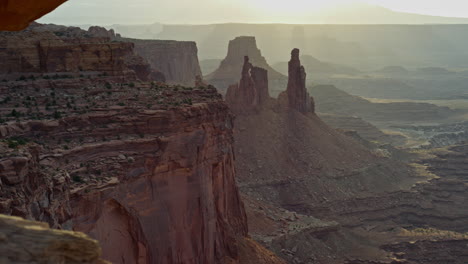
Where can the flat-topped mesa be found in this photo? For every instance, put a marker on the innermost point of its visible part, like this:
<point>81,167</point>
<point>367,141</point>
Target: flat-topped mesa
<point>298,97</point>
<point>227,72</point>
<point>177,60</point>
<point>252,90</point>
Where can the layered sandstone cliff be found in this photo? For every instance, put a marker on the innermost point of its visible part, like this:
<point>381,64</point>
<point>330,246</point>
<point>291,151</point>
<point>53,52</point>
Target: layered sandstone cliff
<point>228,71</point>
<point>252,90</point>
<point>25,241</point>
<point>146,169</point>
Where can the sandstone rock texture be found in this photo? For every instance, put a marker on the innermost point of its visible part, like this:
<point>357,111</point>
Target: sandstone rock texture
<point>228,71</point>
<point>16,15</point>
<point>58,49</point>
<point>24,241</point>
<point>178,202</point>
<point>147,169</point>
<point>252,90</point>
<point>297,96</point>
<point>177,60</point>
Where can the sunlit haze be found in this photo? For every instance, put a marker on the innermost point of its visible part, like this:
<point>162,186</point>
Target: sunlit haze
<point>245,11</point>
<point>234,131</point>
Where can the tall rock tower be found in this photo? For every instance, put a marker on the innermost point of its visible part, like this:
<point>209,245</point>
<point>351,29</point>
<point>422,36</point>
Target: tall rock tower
<point>298,97</point>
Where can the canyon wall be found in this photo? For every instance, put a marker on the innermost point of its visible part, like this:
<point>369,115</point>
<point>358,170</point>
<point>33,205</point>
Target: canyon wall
<point>177,60</point>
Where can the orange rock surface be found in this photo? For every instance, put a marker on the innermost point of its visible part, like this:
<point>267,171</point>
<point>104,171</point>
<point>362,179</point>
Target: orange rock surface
<point>16,15</point>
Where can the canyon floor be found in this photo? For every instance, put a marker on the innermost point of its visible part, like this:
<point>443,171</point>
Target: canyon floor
<point>368,202</point>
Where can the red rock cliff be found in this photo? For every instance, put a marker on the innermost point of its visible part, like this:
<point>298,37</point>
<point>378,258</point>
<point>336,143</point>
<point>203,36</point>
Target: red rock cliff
<point>152,180</point>
<point>178,201</point>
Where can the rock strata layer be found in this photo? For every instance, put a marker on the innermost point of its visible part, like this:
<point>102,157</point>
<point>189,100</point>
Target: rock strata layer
<point>146,169</point>
<point>59,49</point>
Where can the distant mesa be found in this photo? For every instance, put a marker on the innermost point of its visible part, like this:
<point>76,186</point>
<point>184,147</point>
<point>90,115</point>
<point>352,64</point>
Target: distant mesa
<point>393,70</point>
<point>434,70</point>
<point>228,71</point>
<point>177,60</point>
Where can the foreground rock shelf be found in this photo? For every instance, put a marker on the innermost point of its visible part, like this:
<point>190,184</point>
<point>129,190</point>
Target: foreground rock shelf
<point>24,241</point>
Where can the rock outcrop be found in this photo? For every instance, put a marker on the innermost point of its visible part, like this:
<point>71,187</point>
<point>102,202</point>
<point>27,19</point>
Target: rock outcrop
<point>297,96</point>
<point>100,32</point>
<point>24,241</point>
<point>17,15</point>
<point>228,71</point>
<point>177,60</point>
<point>252,90</point>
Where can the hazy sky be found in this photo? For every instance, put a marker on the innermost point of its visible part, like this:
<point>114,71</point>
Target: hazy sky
<point>221,11</point>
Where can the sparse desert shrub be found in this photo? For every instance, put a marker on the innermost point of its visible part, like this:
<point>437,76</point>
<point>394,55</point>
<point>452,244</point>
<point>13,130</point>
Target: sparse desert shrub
<point>77,178</point>
<point>15,142</point>
<point>57,114</point>
<point>187,101</point>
